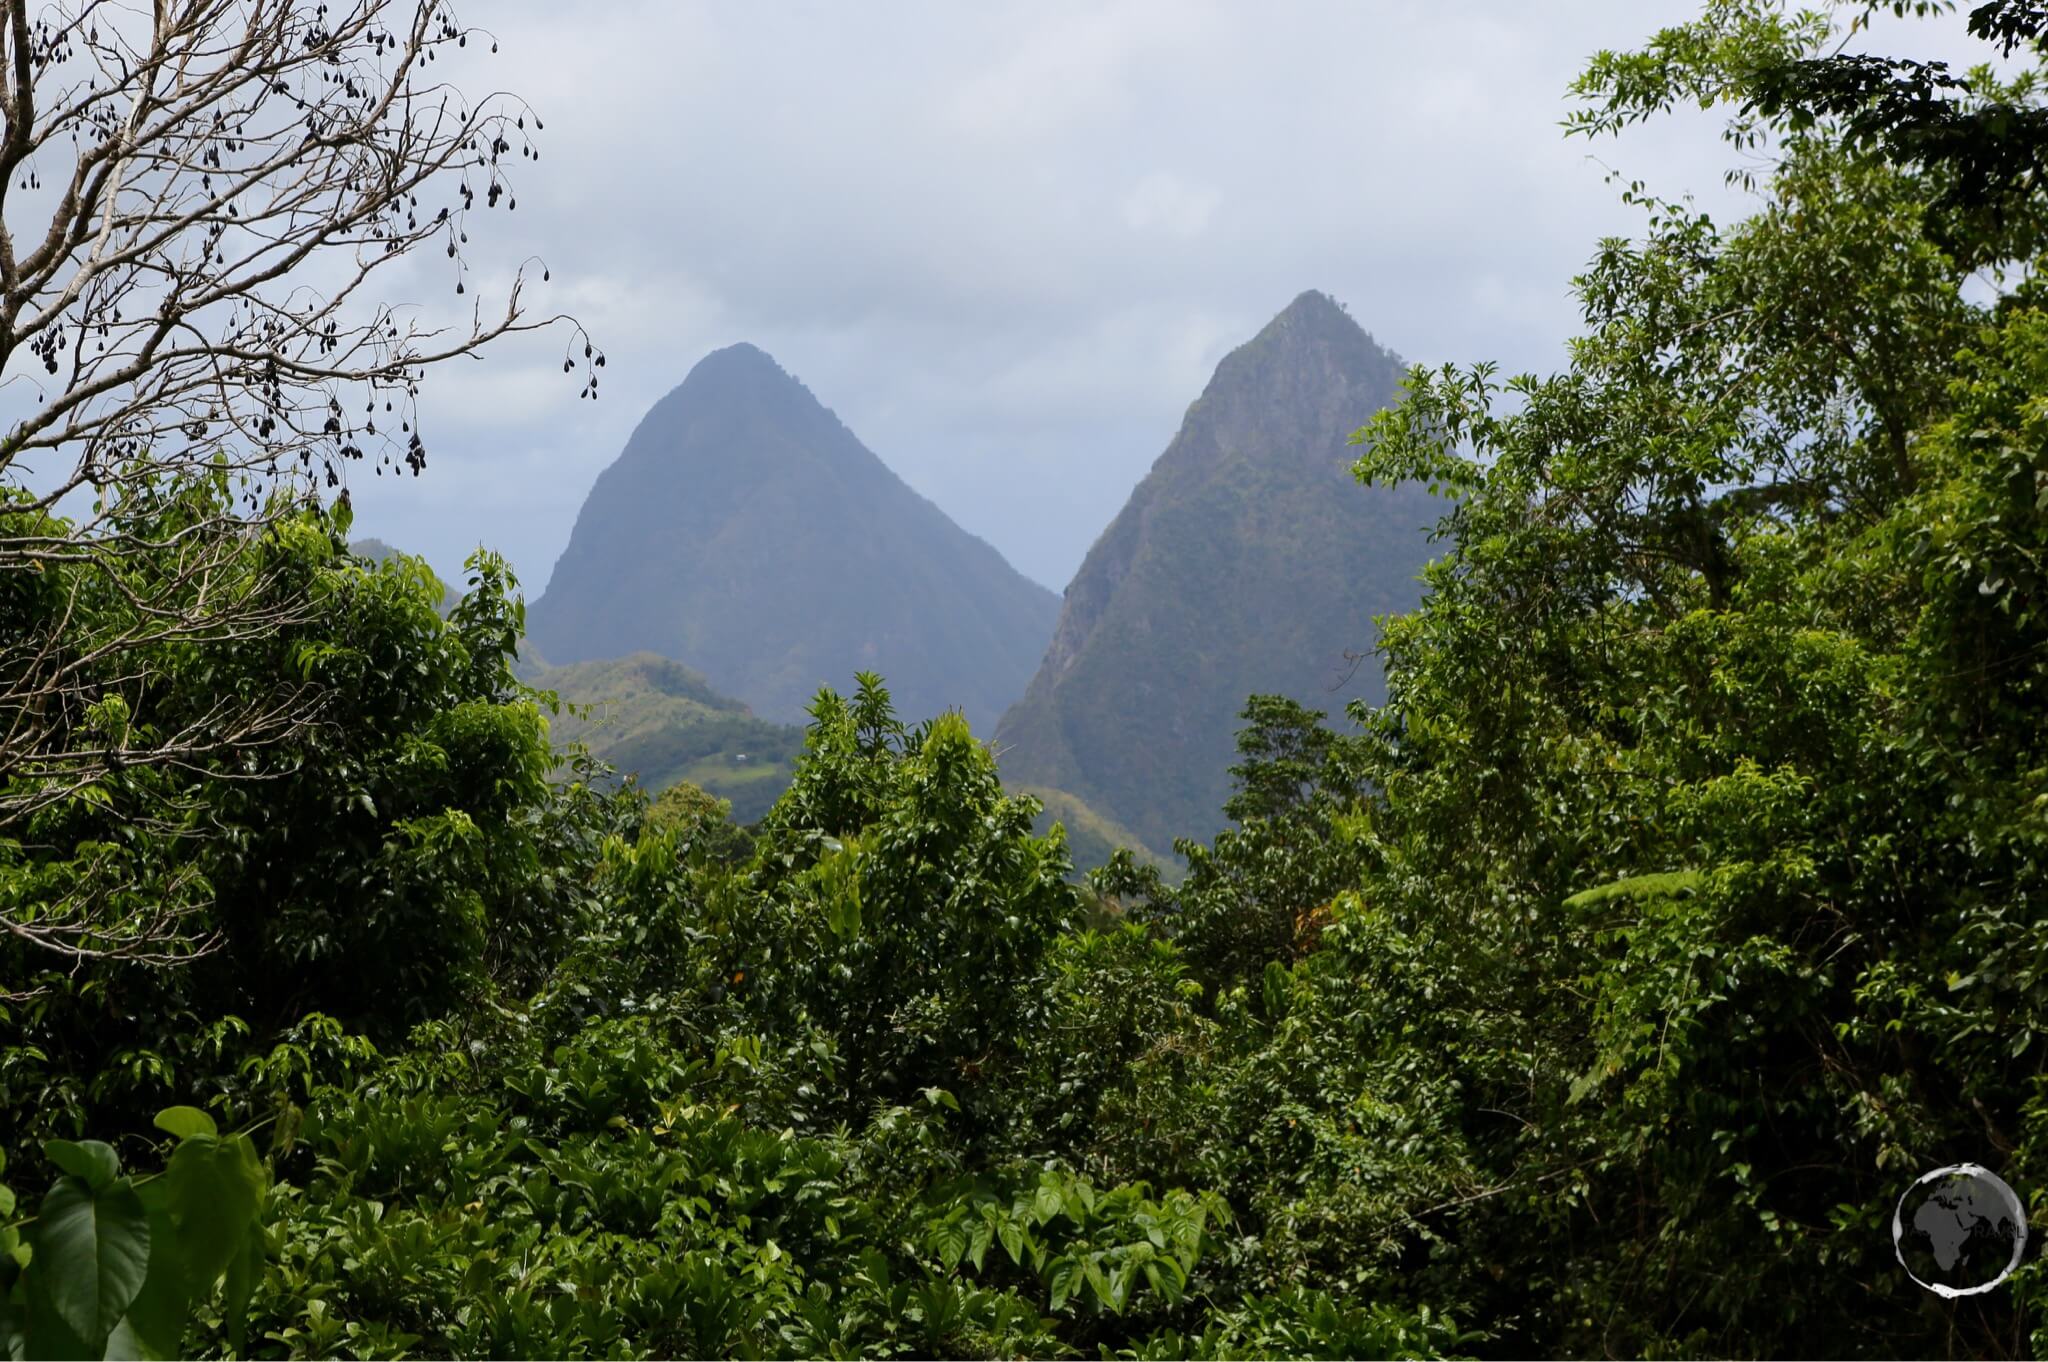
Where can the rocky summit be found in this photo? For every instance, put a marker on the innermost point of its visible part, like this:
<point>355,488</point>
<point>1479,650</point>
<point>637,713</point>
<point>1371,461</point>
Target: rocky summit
<point>1249,560</point>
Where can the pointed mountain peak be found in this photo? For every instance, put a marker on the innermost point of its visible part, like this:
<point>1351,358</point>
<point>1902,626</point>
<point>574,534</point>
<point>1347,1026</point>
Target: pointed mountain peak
<point>1248,562</point>
<point>739,355</point>
<point>739,394</point>
<point>743,364</point>
<point>1312,353</point>
<point>745,531</point>
<point>1314,317</point>
<point>1310,305</point>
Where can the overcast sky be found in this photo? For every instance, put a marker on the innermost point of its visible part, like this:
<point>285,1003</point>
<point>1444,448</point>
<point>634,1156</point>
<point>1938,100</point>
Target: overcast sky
<point>1008,242</point>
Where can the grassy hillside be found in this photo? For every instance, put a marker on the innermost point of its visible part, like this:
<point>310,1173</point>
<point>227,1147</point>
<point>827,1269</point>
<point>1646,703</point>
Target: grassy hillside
<point>661,722</point>
<point>1091,835</point>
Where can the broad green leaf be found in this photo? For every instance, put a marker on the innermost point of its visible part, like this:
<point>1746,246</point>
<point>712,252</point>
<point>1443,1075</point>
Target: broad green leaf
<point>154,1326</point>
<point>1099,1284</point>
<point>1120,1282</point>
<point>124,1342</point>
<point>1012,1240</point>
<point>842,911</point>
<point>91,1253</point>
<point>44,1331</point>
<point>243,1270</point>
<point>92,1162</point>
<point>216,1188</point>
<point>978,1242</point>
<point>185,1122</point>
<point>1064,1279</point>
<point>1276,984</point>
<point>949,1243</point>
<point>1176,1275</point>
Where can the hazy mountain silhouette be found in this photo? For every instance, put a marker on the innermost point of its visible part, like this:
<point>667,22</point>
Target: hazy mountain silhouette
<point>747,533</point>
<point>1247,561</point>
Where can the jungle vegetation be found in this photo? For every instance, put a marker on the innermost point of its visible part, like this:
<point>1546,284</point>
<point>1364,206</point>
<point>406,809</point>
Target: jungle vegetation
<point>1597,993</point>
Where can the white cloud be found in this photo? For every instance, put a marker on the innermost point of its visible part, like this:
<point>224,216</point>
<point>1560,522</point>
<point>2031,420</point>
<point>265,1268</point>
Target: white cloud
<point>1057,65</point>
<point>1006,242</point>
<point>1167,204</point>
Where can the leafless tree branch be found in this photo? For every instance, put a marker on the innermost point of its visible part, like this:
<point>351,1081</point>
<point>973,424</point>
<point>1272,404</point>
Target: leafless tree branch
<point>198,200</point>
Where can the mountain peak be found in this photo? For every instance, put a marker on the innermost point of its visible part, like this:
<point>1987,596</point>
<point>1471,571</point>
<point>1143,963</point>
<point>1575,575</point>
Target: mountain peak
<point>740,355</point>
<point>1249,561</point>
<point>1315,318</point>
<point>745,531</point>
<point>1310,304</point>
<point>742,366</point>
<point>731,399</point>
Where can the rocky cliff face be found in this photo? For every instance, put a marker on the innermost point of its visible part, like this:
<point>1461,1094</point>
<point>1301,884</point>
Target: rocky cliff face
<point>747,532</point>
<point>1247,561</point>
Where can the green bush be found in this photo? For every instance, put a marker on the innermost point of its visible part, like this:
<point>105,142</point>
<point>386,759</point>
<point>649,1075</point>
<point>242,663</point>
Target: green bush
<point>116,1266</point>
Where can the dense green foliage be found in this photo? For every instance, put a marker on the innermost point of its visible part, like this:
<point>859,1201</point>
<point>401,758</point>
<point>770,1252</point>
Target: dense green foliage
<point>1598,993</point>
<point>1262,892</point>
<point>1246,562</point>
<point>369,866</point>
<point>1983,145</point>
<point>739,499</point>
<point>695,815</point>
<point>373,550</point>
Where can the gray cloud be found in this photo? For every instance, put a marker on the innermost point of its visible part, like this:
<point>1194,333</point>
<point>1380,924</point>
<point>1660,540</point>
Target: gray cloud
<point>1007,243</point>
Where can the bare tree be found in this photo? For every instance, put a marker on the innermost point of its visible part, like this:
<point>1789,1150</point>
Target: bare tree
<point>196,200</point>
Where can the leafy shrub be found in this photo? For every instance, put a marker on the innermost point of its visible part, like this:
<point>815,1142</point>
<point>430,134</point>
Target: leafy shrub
<point>116,1266</point>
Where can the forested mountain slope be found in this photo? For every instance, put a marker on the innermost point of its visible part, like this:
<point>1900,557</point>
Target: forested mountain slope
<point>1247,561</point>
